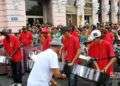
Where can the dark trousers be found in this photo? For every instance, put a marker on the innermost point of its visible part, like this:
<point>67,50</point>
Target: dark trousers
<point>108,82</point>
<point>17,71</point>
<point>71,77</point>
<point>25,58</point>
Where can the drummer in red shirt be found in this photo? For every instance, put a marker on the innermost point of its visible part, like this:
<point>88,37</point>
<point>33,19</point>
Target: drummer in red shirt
<point>45,38</point>
<point>12,46</point>
<point>74,31</point>
<point>103,52</point>
<point>71,50</point>
<point>109,35</point>
<point>25,38</point>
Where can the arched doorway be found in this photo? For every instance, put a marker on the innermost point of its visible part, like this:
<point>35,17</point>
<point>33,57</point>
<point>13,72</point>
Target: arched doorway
<point>71,12</point>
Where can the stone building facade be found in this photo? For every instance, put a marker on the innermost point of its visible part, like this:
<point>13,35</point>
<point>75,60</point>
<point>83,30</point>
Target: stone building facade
<point>17,13</point>
<point>12,14</point>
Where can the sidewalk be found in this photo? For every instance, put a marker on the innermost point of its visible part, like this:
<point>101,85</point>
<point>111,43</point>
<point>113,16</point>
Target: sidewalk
<point>5,81</point>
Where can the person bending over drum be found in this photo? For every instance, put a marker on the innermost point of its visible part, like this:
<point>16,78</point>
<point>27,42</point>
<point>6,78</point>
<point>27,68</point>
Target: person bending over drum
<point>46,66</point>
<point>103,52</point>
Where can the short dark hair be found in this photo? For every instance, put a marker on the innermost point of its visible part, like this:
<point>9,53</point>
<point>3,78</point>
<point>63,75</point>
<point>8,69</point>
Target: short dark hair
<point>4,32</point>
<point>65,29</point>
<point>58,46</point>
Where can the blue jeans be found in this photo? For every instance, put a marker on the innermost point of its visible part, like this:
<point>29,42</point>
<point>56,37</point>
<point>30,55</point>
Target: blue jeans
<point>71,77</point>
<point>72,80</point>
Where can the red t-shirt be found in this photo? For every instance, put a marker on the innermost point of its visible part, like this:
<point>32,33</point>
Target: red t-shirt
<point>26,38</point>
<point>103,52</point>
<point>10,45</point>
<point>74,33</point>
<point>109,37</point>
<point>71,45</point>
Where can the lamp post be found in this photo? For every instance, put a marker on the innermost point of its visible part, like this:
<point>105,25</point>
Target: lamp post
<point>119,11</point>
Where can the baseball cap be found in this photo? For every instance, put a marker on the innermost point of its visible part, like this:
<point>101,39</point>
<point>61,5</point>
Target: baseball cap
<point>95,34</point>
<point>56,42</point>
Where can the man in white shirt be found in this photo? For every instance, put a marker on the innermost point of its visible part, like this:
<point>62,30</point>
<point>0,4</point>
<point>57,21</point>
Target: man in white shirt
<point>46,66</point>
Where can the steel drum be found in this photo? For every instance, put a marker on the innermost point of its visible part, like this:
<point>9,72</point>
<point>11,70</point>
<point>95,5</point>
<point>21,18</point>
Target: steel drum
<point>83,57</point>
<point>86,60</point>
<point>33,58</point>
<point>3,59</point>
<point>33,55</point>
<point>87,73</point>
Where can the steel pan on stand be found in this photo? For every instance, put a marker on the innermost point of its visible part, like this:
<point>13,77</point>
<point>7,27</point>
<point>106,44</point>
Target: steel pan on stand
<point>4,65</point>
<point>86,60</point>
<point>88,76</point>
<point>85,74</point>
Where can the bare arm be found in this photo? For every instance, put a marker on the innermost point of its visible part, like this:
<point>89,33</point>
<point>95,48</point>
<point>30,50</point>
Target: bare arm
<point>76,56</point>
<point>63,53</point>
<point>57,74</point>
<point>96,65</point>
<point>109,64</point>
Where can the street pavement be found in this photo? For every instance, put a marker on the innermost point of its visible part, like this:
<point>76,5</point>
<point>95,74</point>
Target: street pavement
<point>6,81</point>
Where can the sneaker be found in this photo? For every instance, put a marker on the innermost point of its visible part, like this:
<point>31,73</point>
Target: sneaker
<point>18,84</point>
<point>13,84</point>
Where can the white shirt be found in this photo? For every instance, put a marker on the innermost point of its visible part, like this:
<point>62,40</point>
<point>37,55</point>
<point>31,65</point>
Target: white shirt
<point>41,72</point>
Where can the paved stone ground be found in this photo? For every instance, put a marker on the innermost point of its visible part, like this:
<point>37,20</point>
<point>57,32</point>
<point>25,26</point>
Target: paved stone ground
<point>5,81</point>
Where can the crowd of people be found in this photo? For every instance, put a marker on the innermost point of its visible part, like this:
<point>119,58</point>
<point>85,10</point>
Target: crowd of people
<point>61,44</point>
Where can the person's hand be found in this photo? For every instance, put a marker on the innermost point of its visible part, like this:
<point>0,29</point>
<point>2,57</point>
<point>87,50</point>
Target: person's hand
<point>104,70</point>
<point>8,56</point>
<point>63,76</point>
<point>98,69</point>
<point>53,83</point>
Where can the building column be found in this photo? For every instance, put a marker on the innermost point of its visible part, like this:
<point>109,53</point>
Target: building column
<point>105,11</point>
<point>58,12</point>
<point>15,14</point>
<point>114,11</point>
<point>119,11</point>
<point>45,13</point>
<point>2,15</point>
<point>80,12</point>
<point>95,11</point>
